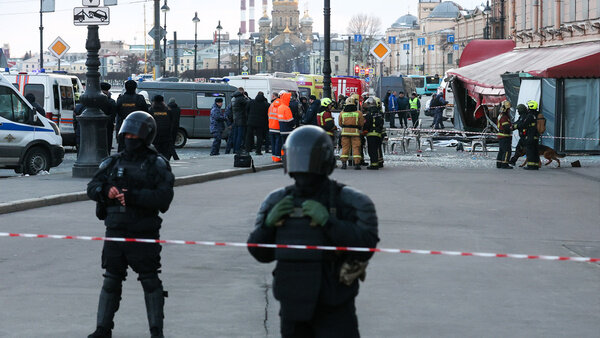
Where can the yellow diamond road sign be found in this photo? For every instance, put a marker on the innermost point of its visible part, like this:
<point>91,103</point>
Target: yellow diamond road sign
<point>381,51</point>
<point>59,48</point>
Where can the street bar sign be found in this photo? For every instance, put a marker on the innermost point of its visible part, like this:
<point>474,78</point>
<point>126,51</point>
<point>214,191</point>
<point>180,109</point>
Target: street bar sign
<point>86,16</point>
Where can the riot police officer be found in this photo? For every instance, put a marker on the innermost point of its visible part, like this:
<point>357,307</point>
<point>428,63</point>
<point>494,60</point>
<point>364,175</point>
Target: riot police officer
<point>374,128</point>
<point>316,289</point>
<point>164,127</point>
<point>130,189</point>
<point>128,103</point>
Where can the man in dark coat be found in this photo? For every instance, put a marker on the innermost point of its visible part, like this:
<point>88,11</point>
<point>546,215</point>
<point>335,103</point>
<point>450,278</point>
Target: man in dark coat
<point>310,117</point>
<point>258,110</point>
<point>128,103</point>
<point>131,188</point>
<point>303,107</point>
<point>217,126</point>
<point>110,110</point>
<point>438,104</point>
<point>316,289</point>
<point>176,114</point>
<point>295,108</point>
<point>238,106</point>
<point>164,126</point>
<point>403,109</point>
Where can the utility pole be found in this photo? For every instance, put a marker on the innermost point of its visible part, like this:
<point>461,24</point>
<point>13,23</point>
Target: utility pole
<point>327,59</point>
<point>157,29</point>
<point>349,55</point>
<point>175,61</point>
<point>41,38</point>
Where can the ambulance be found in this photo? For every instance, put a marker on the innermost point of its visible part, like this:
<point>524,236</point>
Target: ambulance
<point>56,92</point>
<point>29,142</point>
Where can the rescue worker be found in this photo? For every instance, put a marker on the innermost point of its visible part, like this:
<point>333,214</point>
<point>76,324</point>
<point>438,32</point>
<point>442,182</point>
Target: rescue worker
<point>316,289</point>
<point>130,189</point>
<point>415,107</point>
<point>522,110</point>
<point>274,132</point>
<point>285,117</point>
<point>374,128</point>
<point>164,127</point>
<point>126,104</point>
<point>504,137</point>
<point>351,120</point>
<point>528,126</point>
<point>325,119</point>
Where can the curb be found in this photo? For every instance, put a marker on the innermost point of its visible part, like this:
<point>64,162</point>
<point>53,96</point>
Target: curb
<point>51,200</point>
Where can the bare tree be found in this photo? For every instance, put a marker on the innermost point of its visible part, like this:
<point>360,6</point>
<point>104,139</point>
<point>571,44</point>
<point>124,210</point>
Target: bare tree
<point>132,64</point>
<point>367,26</point>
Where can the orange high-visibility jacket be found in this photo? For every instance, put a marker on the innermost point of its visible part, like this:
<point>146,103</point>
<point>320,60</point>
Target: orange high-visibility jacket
<point>273,120</point>
<point>284,114</point>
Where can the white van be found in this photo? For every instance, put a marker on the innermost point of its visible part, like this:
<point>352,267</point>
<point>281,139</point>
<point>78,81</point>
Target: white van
<point>56,93</point>
<point>29,142</point>
<point>267,84</point>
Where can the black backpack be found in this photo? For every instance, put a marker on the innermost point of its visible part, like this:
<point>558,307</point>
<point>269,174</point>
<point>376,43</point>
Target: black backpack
<point>243,160</point>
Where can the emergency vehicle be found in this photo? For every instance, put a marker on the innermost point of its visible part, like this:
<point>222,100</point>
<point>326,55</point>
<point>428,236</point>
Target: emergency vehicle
<point>347,86</point>
<point>265,83</point>
<point>29,142</point>
<point>308,84</point>
<point>56,92</point>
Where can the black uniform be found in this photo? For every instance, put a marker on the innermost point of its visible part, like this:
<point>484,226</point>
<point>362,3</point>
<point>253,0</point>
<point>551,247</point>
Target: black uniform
<point>374,127</point>
<point>164,129</point>
<point>146,180</point>
<point>176,114</point>
<point>110,110</point>
<point>528,126</point>
<point>314,287</point>
<point>126,104</point>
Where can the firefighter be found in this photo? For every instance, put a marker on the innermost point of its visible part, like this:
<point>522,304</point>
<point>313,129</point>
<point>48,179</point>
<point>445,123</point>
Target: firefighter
<point>325,120</point>
<point>504,137</point>
<point>522,110</point>
<point>374,128</point>
<point>528,126</point>
<point>274,133</point>
<point>351,120</point>
<point>316,289</point>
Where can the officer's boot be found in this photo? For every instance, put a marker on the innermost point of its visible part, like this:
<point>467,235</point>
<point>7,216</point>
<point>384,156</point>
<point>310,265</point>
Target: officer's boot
<point>154,295</point>
<point>110,296</point>
<point>357,166</point>
<point>344,166</point>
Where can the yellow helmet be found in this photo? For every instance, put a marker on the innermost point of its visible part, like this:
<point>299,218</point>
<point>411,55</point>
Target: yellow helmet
<point>355,97</point>
<point>378,101</point>
<point>326,102</point>
<point>505,105</point>
<point>350,100</point>
<point>532,105</point>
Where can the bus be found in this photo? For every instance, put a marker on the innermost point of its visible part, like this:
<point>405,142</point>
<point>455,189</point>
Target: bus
<point>426,84</point>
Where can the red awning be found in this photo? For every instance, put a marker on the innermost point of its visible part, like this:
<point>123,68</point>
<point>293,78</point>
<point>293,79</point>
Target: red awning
<point>479,50</point>
<point>566,61</point>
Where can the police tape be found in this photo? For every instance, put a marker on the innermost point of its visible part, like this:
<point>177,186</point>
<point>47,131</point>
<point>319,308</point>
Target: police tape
<point>307,247</point>
<point>487,134</point>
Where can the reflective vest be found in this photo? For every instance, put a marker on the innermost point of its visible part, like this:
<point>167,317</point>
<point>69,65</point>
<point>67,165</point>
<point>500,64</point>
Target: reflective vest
<point>414,103</point>
<point>322,121</point>
<point>503,126</point>
<point>273,118</point>
<point>350,123</point>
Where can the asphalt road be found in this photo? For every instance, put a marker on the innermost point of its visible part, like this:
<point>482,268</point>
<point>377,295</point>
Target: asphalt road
<point>49,288</point>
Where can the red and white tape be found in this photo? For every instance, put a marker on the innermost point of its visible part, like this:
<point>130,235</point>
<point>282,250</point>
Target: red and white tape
<point>307,247</point>
<point>490,134</point>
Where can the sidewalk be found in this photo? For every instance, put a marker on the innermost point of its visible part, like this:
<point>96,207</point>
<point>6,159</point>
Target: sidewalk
<point>62,187</point>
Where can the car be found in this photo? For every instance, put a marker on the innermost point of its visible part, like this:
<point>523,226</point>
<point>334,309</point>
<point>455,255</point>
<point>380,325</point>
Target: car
<point>99,14</point>
<point>80,16</point>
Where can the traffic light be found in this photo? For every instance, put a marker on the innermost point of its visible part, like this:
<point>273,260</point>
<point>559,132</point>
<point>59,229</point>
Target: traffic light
<point>356,69</point>
<point>367,71</point>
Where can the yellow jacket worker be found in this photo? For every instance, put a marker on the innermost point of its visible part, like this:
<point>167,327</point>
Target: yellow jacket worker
<point>351,120</point>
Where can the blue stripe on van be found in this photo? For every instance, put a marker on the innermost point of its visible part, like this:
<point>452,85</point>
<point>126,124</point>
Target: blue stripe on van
<point>21,127</point>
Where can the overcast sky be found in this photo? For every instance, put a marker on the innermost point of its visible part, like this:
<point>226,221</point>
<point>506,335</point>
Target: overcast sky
<point>20,19</point>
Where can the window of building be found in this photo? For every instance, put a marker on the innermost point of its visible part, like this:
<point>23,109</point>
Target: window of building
<point>450,58</point>
<point>337,58</point>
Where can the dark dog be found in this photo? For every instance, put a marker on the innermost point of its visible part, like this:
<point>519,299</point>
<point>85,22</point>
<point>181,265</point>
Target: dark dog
<point>545,151</point>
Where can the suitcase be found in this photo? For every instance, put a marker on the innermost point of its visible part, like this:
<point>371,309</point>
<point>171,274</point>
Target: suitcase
<point>243,160</point>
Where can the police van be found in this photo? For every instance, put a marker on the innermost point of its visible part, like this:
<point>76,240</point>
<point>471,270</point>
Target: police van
<point>29,142</point>
<point>195,100</point>
<point>56,92</point>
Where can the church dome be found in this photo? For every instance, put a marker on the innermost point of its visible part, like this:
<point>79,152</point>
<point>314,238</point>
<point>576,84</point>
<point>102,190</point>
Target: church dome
<point>306,20</point>
<point>265,20</point>
<point>406,21</point>
<point>446,9</point>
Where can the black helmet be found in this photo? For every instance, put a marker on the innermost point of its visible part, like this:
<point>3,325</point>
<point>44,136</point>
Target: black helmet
<point>308,149</point>
<point>141,124</point>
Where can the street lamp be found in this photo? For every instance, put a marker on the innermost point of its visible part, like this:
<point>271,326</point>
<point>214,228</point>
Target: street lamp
<point>240,51</point>
<point>219,28</point>
<point>195,20</point>
<point>264,58</point>
<point>398,61</point>
<point>423,67</point>
<point>165,9</point>
<point>487,10</point>
<point>407,61</point>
